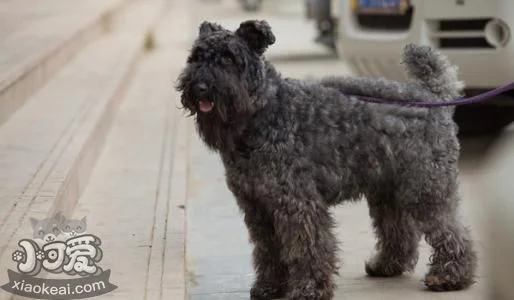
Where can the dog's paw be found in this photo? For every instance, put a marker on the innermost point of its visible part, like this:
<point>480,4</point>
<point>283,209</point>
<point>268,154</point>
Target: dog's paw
<point>380,269</point>
<point>441,283</point>
<point>309,292</point>
<point>266,292</point>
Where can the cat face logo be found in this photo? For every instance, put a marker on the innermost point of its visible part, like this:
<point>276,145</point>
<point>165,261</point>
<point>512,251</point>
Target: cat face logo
<point>59,246</point>
<point>71,228</point>
<point>57,228</point>
<point>45,230</point>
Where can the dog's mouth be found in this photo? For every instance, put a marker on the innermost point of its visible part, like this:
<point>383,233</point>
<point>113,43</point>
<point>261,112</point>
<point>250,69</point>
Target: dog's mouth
<point>205,106</point>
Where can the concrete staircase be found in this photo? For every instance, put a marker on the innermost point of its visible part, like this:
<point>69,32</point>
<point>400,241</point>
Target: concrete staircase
<point>89,127</point>
<point>38,37</point>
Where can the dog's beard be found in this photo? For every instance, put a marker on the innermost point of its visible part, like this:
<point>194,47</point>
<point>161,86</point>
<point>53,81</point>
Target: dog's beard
<point>221,127</point>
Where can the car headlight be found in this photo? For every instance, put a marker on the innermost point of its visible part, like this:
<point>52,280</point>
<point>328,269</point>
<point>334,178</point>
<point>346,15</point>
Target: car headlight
<point>497,33</point>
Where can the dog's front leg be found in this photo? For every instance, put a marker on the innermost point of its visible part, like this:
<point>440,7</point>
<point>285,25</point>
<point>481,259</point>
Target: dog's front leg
<point>271,273</point>
<point>308,247</point>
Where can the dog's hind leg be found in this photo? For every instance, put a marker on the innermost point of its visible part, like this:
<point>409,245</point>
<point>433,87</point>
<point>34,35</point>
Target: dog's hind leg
<point>308,247</point>
<point>397,239</point>
<point>429,192</point>
<point>271,279</point>
<point>453,262</point>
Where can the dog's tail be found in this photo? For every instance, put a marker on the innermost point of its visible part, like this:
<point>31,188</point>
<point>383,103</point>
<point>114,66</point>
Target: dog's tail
<point>433,70</point>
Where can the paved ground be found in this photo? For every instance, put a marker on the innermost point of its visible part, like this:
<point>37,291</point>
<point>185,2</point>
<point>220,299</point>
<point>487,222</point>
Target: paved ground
<point>218,252</point>
<point>139,198</point>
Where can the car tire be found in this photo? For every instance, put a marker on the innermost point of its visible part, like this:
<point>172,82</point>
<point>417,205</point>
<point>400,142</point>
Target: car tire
<point>476,120</point>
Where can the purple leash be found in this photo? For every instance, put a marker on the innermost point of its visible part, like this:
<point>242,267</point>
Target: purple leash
<point>460,101</point>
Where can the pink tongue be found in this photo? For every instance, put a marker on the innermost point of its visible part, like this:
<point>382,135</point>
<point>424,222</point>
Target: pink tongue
<point>206,106</point>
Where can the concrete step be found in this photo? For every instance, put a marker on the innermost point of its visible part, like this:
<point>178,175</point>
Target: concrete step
<point>135,199</point>
<point>19,15</point>
<point>37,38</point>
<point>48,148</point>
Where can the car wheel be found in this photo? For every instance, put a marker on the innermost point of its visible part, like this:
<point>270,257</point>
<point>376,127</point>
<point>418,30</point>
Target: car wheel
<point>483,119</point>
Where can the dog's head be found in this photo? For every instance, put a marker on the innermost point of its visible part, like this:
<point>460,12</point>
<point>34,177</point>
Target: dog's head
<point>223,76</point>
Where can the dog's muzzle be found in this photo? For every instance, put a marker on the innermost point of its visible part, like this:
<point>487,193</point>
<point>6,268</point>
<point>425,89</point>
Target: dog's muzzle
<point>204,105</point>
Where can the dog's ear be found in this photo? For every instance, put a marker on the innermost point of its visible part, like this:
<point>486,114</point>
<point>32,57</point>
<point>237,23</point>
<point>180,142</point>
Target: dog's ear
<point>257,34</point>
<point>207,28</point>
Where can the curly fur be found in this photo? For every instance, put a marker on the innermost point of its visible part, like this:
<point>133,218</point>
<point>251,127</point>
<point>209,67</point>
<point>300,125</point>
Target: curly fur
<point>292,149</point>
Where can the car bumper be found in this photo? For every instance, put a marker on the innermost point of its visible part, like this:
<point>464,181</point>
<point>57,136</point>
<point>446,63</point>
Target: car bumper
<point>377,52</point>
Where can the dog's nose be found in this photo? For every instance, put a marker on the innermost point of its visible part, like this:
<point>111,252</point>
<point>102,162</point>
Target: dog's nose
<point>201,88</point>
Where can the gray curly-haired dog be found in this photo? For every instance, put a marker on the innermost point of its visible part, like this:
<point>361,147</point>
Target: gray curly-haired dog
<point>293,149</point>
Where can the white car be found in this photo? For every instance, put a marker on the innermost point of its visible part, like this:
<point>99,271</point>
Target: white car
<point>474,34</point>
